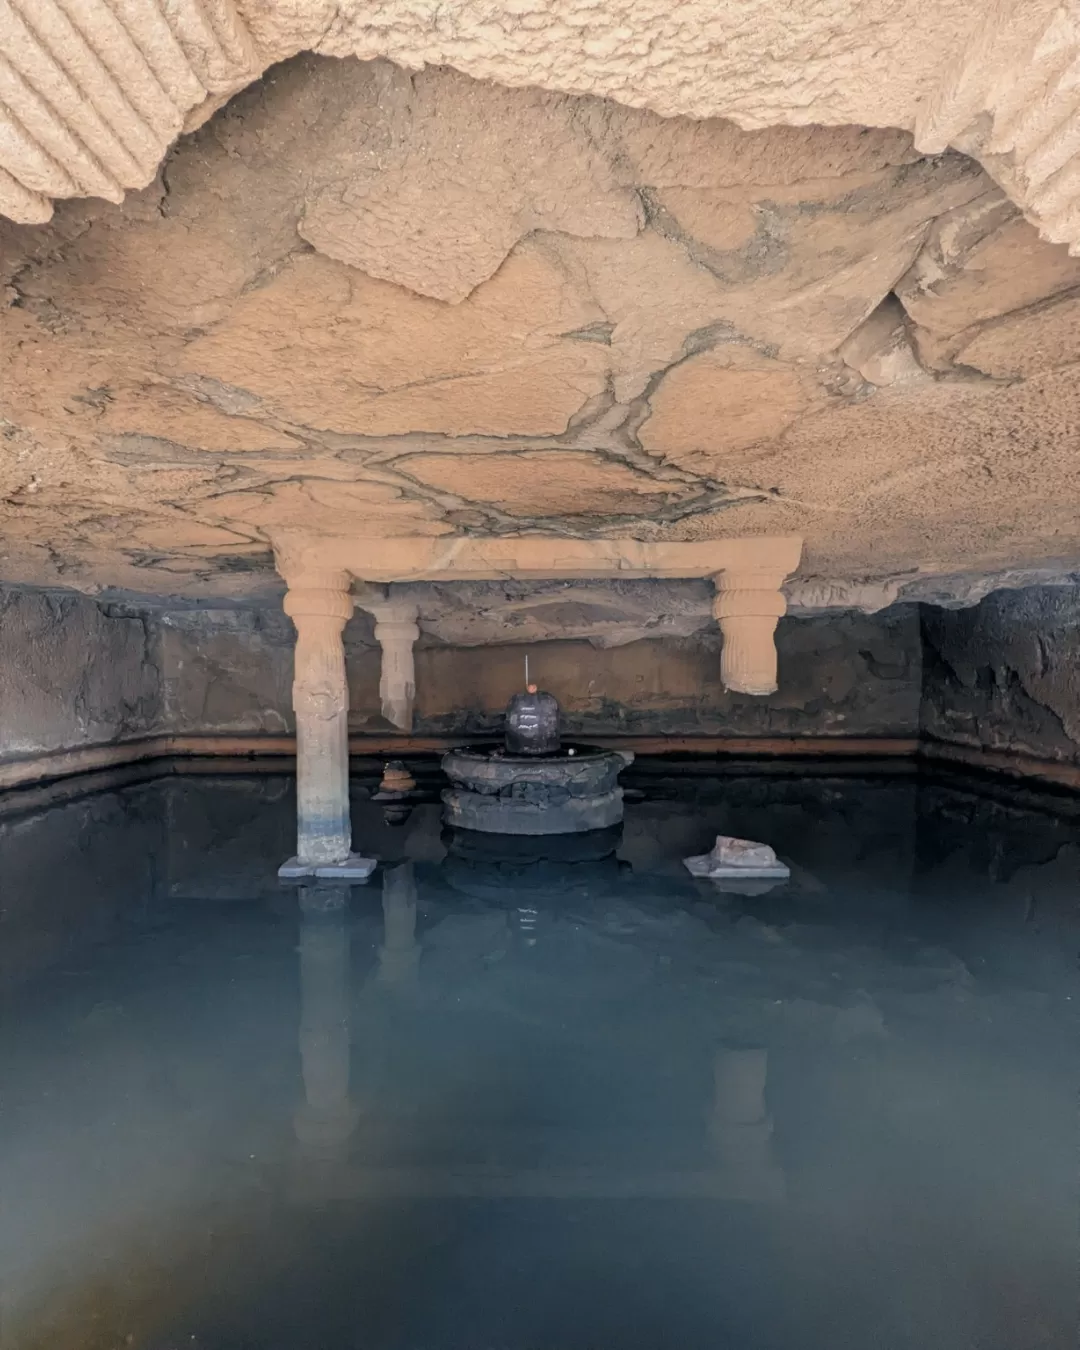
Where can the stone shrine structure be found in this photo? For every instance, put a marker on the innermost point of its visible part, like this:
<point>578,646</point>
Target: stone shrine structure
<point>532,784</point>
<point>747,573</point>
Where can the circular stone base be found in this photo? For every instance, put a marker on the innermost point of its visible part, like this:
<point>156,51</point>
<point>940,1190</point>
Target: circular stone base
<point>508,815</point>
<point>564,793</point>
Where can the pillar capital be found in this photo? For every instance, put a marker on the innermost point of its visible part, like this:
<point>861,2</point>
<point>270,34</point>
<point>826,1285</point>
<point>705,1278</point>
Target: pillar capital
<point>319,594</point>
<point>750,591</point>
<point>747,604</point>
<point>395,619</point>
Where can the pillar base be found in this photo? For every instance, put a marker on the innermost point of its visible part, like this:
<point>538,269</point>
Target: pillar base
<point>354,868</point>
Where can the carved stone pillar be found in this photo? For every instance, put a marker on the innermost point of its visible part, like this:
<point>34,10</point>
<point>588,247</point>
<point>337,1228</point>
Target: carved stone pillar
<point>319,604</point>
<point>396,631</point>
<point>748,605</point>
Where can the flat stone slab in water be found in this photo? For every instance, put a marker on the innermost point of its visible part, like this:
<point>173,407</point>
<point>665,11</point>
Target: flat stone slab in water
<point>738,858</point>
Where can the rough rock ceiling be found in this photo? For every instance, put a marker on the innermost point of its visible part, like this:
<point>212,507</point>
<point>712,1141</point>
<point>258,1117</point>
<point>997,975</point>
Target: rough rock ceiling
<point>92,92</point>
<point>359,300</point>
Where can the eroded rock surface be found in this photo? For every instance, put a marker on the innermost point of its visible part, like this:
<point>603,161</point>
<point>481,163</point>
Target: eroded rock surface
<point>75,673</point>
<point>366,302</point>
<point>1003,675</point>
<point>97,89</point>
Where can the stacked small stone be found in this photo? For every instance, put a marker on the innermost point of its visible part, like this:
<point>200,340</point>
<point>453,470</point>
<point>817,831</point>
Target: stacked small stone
<point>396,779</point>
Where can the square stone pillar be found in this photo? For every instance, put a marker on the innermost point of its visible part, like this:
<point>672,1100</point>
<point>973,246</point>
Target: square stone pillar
<point>319,604</point>
<point>748,605</point>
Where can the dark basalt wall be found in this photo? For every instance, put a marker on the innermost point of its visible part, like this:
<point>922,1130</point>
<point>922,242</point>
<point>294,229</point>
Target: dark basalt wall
<point>1002,676</point>
<point>1005,675</point>
<point>74,672</point>
<point>842,674</point>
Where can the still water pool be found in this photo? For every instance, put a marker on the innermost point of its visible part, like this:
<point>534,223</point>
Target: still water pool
<point>542,1098</point>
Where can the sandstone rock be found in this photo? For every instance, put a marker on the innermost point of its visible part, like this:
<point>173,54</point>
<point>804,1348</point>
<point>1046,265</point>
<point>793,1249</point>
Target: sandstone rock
<point>936,463</point>
<point>723,220</point>
<point>83,121</point>
<point>544,483</point>
<point>731,857</point>
<point>650,298</point>
<point>326,346</point>
<point>1021,345</point>
<point>377,510</point>
<point>880,349</point>
<point>712,153</point>
<point>323,315</point>
<point>723,400</point>
<point>824,255</point>
<point>467,171</point>
<point>981,262</point>
<point>168,414</point>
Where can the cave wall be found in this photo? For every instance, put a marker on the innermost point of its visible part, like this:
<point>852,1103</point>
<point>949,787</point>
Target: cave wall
<point>74,673</point>
<point>1005,674</point>
<point>227,670</point>
<point>841,674</point>
<point>1001,676</point>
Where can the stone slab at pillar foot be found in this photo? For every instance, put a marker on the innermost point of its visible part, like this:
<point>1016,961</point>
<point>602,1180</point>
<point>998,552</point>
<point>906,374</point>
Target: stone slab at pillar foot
<point>353,868</point>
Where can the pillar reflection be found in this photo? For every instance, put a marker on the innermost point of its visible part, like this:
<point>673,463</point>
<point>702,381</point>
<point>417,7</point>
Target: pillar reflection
<point>327,1116</point>
<point>399,955</point>
<point>740,1126</point>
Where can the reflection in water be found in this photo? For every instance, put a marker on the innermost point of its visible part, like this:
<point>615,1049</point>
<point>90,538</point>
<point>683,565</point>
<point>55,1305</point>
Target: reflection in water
<point>399,955</point>
<point>739,1123</point>
<point>326,1117</point>
<point>548,867</point>
<point>549,1093</point>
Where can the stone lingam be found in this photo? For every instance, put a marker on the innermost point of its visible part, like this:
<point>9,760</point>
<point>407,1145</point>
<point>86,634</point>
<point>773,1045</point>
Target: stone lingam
<point>533,783</point>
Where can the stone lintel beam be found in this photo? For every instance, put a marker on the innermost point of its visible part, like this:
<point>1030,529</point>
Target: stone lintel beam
<point>319,603</point>
<point>748,575</point>
<point>531,557</point>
